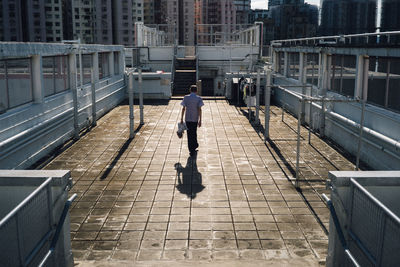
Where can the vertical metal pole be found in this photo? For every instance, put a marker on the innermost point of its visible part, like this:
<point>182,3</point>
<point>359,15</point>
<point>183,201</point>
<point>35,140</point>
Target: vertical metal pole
<point>141,96</point>
<point>230,58</point>
<point>249,98</point>
<point>310,117</point>
<point>80,67</point>
<point>322,126</point>
<point>238,88</point>
<point>267,97</point>
<point>283,111</point>
<point>258,97</point>
<point>361,134</point>
<point>74,89</point>
<point>93,89</point>
<point>131,111</point>
<point>298,142</point>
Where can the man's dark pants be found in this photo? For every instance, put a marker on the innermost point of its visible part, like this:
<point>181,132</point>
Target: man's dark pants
<point>192,135</point>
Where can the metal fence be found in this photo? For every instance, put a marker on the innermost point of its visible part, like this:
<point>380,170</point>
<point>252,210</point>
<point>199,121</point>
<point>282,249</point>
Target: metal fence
<point>33,217</point>
<point>365,217</point>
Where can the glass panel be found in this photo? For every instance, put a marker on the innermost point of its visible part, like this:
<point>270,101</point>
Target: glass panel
<point>61,74</point>
<point>281,58</point>
<point>336,73</point>
<point>48,75</point>
<point>3,87</point>
<point>377,75</point>
<point>349,75</point>
<point>19,82</point>
<point>104,69</point>
<point>312,65</point>
<point>394,84</point>
<point>343,74</point>
<point>294,65</point>
<point>87,65</point>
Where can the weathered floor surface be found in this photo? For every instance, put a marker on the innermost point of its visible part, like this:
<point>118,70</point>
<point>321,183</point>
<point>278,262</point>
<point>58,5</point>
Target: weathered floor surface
<point>147,202</point>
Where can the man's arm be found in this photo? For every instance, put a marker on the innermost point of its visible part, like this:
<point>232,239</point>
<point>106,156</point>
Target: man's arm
<point>199,123</point>
<point>183,113</point>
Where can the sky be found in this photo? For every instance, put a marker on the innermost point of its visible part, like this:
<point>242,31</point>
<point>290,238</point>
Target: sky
<point>262,4</point>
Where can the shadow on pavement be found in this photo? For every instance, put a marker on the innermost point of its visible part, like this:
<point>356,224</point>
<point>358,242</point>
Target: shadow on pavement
<point>189,178</point>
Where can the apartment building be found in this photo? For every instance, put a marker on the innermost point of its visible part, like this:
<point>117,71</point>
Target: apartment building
<point>31,21</point>
<point>347,16</point>
<point>243,8</point>
<point>54,20</point>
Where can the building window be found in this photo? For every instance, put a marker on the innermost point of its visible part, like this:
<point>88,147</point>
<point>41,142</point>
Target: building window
<point>343,74</point>
<point>86,68</point>
<point>15,83</point>
<point>384,82</point>
<point>55,74</point>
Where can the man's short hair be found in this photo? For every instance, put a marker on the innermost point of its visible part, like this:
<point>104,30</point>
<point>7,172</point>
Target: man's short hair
<point>193,88</point>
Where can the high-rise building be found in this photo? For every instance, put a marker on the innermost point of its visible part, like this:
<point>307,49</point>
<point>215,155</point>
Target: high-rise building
<point>31,21</point>
<point>219,12</point>
<point>272,3</point>
<point>80,21</point>
<point>243,8</point>
<point>149,11</point>
<point>54,21</point>
<point>10,21</point>
<point>296,20</point>
<point>103,21</point>
<point>181,14</point>
<point>125,14</point>
<point>347,16</point>
<point>390,19</point>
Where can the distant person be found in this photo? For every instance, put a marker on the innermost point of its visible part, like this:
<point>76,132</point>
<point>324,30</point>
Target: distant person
<point>192,104</point>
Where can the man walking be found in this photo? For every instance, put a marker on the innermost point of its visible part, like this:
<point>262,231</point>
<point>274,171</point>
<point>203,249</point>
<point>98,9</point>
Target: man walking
<point>192,104</point>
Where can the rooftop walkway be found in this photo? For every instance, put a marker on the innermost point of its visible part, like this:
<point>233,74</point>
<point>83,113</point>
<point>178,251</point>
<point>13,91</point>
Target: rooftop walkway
<point>146,201</point>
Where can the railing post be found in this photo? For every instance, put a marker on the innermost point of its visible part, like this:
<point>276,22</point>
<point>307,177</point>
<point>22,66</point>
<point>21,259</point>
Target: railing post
<point>298,142</point>
<point>141,97</point>
<point>302,80</point>
<point>358,89</point>
<point>37,79</point>
<point>111,63</point>
<point>360,134</point>
<point>93,92</point>
<point>131,111</point>
<point>267,96</point>
<point>94,78</point>
<point>322,122</point>
<point>257,120</point>
<point>74,90</point>
<point>286,64</point>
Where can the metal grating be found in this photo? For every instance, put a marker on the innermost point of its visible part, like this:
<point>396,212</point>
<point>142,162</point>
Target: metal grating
<point>366,221</point>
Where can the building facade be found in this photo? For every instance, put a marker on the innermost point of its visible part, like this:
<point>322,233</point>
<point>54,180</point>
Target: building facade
<point>294,20</point>
<point>31,21</point>
<point>347,16</point>
<point>243,10</point>
<point>390,19</point>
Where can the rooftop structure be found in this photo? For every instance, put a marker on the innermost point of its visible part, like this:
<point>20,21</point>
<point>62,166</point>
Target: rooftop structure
<point>273,129</point>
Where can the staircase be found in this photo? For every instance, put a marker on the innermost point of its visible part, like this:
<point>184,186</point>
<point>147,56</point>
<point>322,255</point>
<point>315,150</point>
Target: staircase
<point>185,75</point>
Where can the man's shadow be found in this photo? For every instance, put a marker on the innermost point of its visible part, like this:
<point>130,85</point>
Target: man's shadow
<point>189,178</point>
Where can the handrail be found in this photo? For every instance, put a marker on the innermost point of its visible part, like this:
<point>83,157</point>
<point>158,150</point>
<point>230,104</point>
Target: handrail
<point>337,36</point>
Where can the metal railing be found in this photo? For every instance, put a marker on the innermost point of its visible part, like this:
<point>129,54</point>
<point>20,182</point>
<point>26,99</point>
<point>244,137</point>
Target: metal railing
<point>131,100</point>
<point>381,38</point>
<point>224,34</point>
<point>31,230</point>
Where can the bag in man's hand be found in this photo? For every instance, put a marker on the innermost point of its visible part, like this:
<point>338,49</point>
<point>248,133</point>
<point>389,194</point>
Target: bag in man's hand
<point>181,129</point>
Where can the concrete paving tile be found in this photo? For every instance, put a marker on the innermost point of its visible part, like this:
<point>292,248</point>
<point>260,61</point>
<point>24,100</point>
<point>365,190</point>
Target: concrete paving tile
<point>247,198</point>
